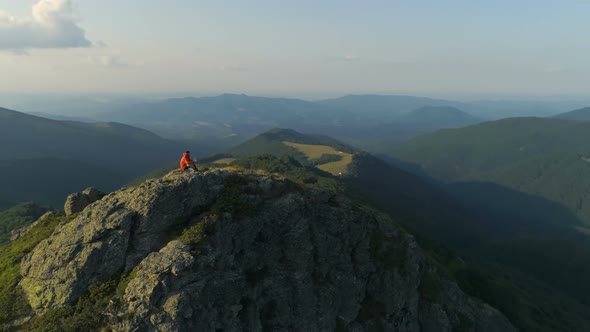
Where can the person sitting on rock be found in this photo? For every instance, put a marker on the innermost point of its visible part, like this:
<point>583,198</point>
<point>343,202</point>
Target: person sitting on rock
<point>186,162</point>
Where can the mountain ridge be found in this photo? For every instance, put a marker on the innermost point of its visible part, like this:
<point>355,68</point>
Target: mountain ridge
<point>107,144</point>
<point>44,151</point>
<point>384,104</point>
<point>582,114</point>
<point>439,117</point>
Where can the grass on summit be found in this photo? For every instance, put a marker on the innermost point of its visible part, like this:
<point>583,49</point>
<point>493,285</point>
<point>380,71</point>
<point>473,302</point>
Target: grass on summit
<point>315,152</point>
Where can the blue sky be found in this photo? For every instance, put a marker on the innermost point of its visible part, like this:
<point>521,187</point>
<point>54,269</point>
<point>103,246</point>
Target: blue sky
<point>303,47</point>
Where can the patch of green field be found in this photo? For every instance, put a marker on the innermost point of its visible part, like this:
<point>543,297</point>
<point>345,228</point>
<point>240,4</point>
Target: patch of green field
<point>314,152</point>
<point>223,161</point>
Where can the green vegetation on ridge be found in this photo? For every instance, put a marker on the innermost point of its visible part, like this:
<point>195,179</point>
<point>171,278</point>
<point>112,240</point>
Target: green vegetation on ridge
<point>13,305</point>
<point>542,157</point>
<point>19,216</point>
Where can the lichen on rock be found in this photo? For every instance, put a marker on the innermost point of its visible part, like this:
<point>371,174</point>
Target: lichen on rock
<point>111,236</point>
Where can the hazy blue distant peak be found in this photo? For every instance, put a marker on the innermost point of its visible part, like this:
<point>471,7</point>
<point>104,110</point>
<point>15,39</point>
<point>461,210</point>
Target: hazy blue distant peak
<point>582,114</point>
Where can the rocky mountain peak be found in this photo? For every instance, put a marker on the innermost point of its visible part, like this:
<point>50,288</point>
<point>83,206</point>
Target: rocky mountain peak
<point>231,251</point>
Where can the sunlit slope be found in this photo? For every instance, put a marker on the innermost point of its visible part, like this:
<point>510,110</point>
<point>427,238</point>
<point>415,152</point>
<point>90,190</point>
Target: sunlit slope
<point>223,161</point>
<point>315,154</point>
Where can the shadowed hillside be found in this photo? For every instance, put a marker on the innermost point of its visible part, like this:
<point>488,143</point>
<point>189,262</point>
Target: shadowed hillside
<point>43,160</point>
<point>119,147</point>
<point>49,181</point>
<point>544,157</point>
<point>532,175</point>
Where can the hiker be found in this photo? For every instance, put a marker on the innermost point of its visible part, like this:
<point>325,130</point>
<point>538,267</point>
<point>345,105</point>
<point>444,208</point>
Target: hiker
<point>187,162</point>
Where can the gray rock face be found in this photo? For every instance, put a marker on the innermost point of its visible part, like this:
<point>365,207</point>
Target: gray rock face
<point>305,262</point>
<point>112,235</point>
<point>301,260</point>
<point>76,202</point>
<point>93,194</point>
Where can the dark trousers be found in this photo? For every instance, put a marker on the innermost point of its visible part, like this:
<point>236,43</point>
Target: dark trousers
<point>193,166</point>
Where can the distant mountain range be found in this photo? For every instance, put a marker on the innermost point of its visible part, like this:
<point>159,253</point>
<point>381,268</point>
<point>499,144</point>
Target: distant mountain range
<point>383,107</point>
<point>371,122</point>
<point>386,105</point>
<point>229,119</point>
<point>437,117</point>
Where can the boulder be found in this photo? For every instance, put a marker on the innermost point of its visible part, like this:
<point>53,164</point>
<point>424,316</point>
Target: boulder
<point>77,202</point>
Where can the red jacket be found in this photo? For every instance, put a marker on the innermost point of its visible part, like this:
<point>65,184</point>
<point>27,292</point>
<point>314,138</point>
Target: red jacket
<point>185,161</point>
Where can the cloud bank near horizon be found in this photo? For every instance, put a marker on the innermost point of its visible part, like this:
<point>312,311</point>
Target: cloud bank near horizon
<point>52,24</point>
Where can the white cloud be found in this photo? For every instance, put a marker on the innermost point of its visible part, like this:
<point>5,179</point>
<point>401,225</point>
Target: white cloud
<point>52,24</point>
<point>113,61</point>
<point>109,61</point>
<point>344,58</point>
<point>351,58</point>
<point>100,43</point>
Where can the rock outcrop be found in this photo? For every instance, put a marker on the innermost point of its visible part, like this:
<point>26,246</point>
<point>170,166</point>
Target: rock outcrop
<point>110,236</point>
<point>76,202</point>
<point>257,254</point>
